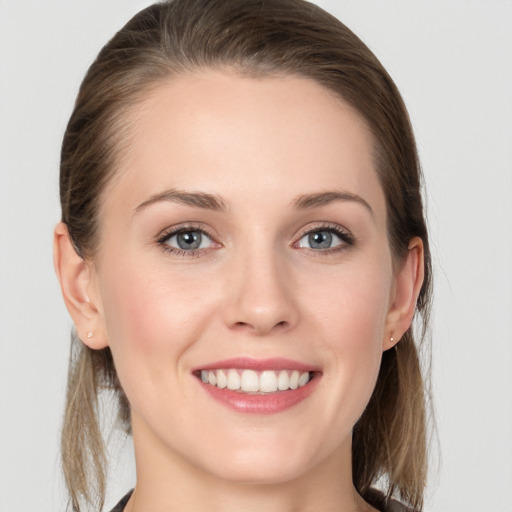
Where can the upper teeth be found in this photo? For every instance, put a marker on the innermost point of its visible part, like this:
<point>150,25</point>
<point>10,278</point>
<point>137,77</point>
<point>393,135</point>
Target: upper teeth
<point>250,381</point>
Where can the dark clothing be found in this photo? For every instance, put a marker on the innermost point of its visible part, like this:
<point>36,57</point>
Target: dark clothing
<point>120,506</point>
<point>376,499</point>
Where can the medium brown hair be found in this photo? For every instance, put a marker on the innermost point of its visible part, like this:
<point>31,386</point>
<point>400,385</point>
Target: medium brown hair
<point>257,38</point>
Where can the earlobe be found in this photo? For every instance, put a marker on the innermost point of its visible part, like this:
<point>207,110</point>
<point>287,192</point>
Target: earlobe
<point>78,289</point>
<point>408,282</point>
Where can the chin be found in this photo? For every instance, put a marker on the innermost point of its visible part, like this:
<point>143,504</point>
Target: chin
<point>262,463</point>
<point>261,472</point>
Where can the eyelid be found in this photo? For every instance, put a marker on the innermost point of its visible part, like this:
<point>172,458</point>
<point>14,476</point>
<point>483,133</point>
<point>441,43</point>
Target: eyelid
<point>169,232</point>
<point>343,233</point>
<point>182,227</point>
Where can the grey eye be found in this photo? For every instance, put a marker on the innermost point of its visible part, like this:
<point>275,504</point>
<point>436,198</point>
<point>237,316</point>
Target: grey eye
<point>320,239</point>
<point>189,240</point>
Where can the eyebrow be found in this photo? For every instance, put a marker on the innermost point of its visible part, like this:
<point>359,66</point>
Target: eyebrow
<point>195,199</point>
<point>214,202</point>
<point>314,200</point>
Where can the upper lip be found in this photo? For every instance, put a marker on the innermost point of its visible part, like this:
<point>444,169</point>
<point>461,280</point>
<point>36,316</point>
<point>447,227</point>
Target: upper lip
<point>247,363</point>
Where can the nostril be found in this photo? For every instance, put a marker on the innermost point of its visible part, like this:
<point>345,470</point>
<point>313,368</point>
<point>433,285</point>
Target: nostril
<point>259,327</point>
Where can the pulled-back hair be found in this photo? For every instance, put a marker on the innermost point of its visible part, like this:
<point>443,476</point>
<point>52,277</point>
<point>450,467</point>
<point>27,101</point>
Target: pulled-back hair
<point>256,38</point>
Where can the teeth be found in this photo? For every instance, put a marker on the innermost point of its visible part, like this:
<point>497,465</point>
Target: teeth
<point>294,380</point>
<point>283,381</point>
<point>250,381</point>
<point>222,379</point>
<point>233,380</point>
<point>268,382</point>
<point>303,379</point>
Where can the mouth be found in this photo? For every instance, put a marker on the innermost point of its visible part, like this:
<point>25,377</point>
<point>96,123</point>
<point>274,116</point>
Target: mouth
<point>258,386</point>
<point>255,382</point>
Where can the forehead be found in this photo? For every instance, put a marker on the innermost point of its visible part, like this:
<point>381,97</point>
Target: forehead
<point>220,132</point>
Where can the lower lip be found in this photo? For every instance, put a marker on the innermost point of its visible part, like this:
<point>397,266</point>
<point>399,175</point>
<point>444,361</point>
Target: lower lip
<point>261,404</point>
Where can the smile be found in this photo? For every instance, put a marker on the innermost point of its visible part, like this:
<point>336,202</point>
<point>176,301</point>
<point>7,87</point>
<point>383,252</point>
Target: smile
<point>258,386</point>
<point>251,381</point>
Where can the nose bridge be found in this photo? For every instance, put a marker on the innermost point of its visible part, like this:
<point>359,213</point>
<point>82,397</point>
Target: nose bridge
<point>260,298</point>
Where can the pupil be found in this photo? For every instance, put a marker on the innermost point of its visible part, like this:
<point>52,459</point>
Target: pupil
<point>320,240</point>
<point>189,240</point>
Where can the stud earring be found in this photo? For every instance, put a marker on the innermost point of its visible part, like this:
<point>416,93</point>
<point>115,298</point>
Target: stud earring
<point>390,339</point>
<point>89,334</point>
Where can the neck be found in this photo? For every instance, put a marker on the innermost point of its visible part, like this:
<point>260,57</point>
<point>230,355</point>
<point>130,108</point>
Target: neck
<point>167,483</point>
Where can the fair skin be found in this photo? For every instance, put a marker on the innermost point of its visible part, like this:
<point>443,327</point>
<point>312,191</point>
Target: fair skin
<point>274,182</point>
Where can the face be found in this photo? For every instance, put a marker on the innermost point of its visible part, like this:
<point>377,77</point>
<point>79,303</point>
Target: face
<point>244,279</point>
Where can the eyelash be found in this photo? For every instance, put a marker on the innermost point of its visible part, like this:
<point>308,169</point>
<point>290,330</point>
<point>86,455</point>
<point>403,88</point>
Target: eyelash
<point>343,234</point>
<point>176,230</point>
<point>347,238</point>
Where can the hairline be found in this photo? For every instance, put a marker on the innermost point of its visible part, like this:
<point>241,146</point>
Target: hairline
<point>122,127</point>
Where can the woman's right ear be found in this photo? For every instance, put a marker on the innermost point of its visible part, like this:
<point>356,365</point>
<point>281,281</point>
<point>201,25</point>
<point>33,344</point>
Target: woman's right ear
<point>79,289</point>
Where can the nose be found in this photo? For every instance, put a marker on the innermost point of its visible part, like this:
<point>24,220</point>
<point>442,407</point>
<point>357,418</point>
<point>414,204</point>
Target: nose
<point>260,296</point>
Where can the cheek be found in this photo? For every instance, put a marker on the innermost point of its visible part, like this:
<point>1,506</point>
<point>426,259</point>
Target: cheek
<point>350,316</point>
<point>352,303</point>
<point>151,318</point>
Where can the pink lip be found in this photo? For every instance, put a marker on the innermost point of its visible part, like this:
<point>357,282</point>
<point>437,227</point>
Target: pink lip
<point>246,363</point>
<point>260,404</point>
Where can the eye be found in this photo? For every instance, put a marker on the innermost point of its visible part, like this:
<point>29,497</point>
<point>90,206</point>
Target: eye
<point>186,240</point>
<point>324,239</point>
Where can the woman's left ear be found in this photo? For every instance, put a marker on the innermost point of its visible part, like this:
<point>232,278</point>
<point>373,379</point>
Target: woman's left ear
<point>408,282</point>
<point>79,289</point>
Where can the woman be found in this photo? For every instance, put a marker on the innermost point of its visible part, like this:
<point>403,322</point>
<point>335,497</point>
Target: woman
<point>242,251</point>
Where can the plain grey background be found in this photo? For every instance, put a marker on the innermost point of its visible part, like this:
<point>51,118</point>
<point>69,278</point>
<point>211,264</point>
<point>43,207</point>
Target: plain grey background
<point>452,61</point>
